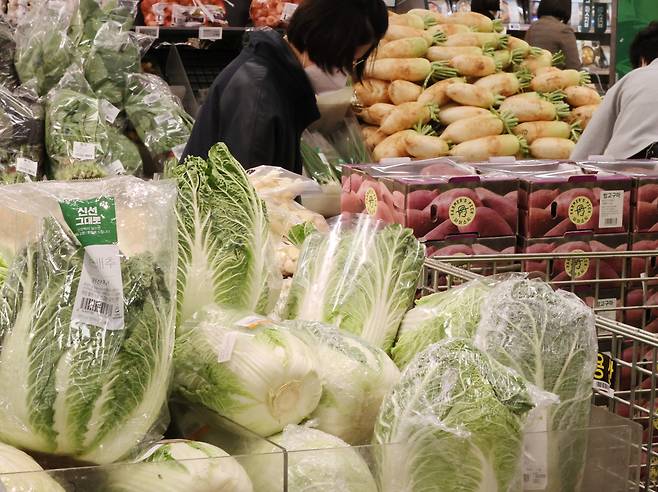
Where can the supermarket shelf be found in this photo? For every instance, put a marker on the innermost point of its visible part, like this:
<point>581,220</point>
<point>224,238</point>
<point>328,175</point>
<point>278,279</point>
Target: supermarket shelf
<point>181,34</point>
<point>519,30</point>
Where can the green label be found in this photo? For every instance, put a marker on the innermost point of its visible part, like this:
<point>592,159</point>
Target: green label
<point>92,221</point>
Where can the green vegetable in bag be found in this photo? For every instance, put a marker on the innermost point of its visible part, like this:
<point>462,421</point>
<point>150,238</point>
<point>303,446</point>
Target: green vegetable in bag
<point>95,14</point>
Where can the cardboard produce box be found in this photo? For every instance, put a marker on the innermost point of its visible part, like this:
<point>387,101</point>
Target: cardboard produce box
<point>437,198</point>
<point>556,198</point>
<point>644,197</point>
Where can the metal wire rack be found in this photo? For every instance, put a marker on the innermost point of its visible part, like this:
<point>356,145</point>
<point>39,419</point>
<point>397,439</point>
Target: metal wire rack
<point>628,355</point>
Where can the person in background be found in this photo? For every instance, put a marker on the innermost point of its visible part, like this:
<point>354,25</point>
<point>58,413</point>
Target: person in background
<point>490,8</point>
<point>626,123</point>
<point>260,104</point>
<point>552,31</point>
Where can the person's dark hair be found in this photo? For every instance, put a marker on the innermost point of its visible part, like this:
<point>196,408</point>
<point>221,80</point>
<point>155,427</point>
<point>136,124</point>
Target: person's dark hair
<point>644,47</point>
<point>331,31</point>
<point>555,8</point>
<point>485,7</point>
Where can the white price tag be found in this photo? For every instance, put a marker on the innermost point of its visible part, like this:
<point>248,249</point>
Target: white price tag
<point>116,168</point>
<point>99,299</point>
<point>251,321</point>
<point>288,10</point>
<point>161,118</point>
<point>606,308</point>
<point>84,151</point>
<point>611,209</point>
<point>211,33</point>
<point>226,347</point>
<point>535,450</point>
<point>603,387</point>
<point>178,151</point>
<point>27,166</point>
<point>151,98</point>
<point>148,30</point>
<point>110,111</point>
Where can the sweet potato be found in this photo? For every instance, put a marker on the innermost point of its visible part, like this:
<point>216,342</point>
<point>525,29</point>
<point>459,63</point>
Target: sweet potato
<point>555,80</point>
<point>540,222</point>
<point>419,199</point>
<point>444,169</point>
<point>375,114</point>
<point>436,93</point>
<point>487,223</point>
<point>479,22</point>
<point>384,213</point>
<point>415,47</point>
<point>439,208</point>
<point>419,221</point>
<point>410,69</point>
<point>372,136</point>
<point>451,114</point>
<point>405,116</point>
<point>426,147</point>
<point>445,228</point>
<point>542,198</point>
<point>503,83</point>
<point>592,223</point>
<point>454,250</point>
<point>356,180</point>
<point>564,200</point>
<point>447,53</point>
<point>561,229</point>
<point>647,193</point>
<point>392,146</point>
<point>582,115</point>
<point>401,91</point>
<point>372,91</point>
<point>471,95</point>
<point>512,196</point>
<point>599,247</point>
<point>472,128</point>
<point>349,202</point>
<point>581,96</point>
<point>647,216</point>
<point>482,149</point>
<point>507,209</point>
<point>551,148</point>
<point>474,65</point>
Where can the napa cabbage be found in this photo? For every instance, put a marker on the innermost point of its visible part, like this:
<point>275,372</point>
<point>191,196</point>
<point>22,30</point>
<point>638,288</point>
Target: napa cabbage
<point>549,338</point>
<point>360,277</point>
<point>454,313</point>
<point>226,256</point>
<point>355,376</point>
<point>248,369</point>
<point>458,418</point>
<point>20,473</point>
<point>177,466</point>
<point>317,462</point>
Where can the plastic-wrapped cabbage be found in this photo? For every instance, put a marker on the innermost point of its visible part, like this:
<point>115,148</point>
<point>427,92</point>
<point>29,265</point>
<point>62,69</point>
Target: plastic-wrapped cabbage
<point>87,316</point>
<point>324,464</point>
<point>8,75</point>
<point>157,115</point>
<point>458,417</point>
<point>549,338</point>
<point>226,255</point>
<point>356,377</point>
<point>43,48</point>
<point>248,369</point>
<point>454,313</point>
<point>15,476</point>
<point>114,54</point>
<point>123,155</point>
<point>360,277</point>
<point>21,135</point>
<point>176,466</point>
<point>95,14</point>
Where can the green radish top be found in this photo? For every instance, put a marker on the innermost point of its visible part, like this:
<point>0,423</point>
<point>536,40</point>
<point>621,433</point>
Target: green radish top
<point>509,120</point>
<point>524,148</point>
<point>562,109</point>
<point>524,76</point>
<point>424,130</point>
<point>576,131</point>
<point>439,37</point>
<point>553,97</point>
<point>585,77</point>
<point>558,59</point>
<point>534,51</point>
<point>517,56</point>
<point>498,25</point>
<point>439,71</point>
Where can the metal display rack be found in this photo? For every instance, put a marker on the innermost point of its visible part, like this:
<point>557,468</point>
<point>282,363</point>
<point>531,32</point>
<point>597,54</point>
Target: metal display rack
<point>628,356</point>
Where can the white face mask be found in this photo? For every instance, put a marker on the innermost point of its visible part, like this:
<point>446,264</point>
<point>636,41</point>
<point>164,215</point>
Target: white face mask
<point>325,82</point>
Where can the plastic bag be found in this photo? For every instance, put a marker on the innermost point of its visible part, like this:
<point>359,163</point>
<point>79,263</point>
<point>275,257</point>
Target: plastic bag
<point>272,13</point>
<point>157,115</point>
<point>21,136</point>
<point>87,316</point>
<point>114,54</point>
<point>184,13</point>
<point>43,48</point>
<point>320,159</point>
<point>8,75</point>
<point>96,13</point>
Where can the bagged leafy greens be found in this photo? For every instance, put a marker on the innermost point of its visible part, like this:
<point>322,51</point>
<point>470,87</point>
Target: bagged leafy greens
<point>157,115</point>
<point>458,417</point>
<point>115,53</point>
<point>8,75</point>
<point>43,48</point>
<point>226,253</point>
<point>123,154</point>
<point>95,14</point>
<point>86,352</point>
<point>549,338</point>
<point>246,368</point>
<point>360,277</point>
<point>21,135</point>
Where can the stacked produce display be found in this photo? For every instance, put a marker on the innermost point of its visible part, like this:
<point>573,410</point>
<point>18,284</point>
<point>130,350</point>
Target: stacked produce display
<point>83,108</point>
<point>453,85</point>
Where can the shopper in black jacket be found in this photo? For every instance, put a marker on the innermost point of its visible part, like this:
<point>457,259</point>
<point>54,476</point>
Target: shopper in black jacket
<point>263,101</point>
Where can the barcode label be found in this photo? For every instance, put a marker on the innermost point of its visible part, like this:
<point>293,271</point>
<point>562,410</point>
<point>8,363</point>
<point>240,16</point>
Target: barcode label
<point>95,306</point>
<point>116,167</point>
<point>535,450</point>
<point>611,209</point>
<point>151,98</point>
<point>110,111</point>
<point>84,151</point>
<point>603,387</point>
<point>606,308</point>
<point>27,166</point>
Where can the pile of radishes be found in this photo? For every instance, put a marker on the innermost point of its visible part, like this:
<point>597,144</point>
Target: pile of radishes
<point>452,85</point>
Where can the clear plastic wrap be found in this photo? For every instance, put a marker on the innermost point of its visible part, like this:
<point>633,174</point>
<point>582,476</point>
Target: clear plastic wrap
<point>321,160</point>
<point>8,75</point>
<point>356,378</point>
<point>246,368</point>
<point>459,417</point>
<point>43,48</point>
<point>454,313</point>
<point>316,461</point>
<point>272,13</point>
<point>361,276</point>
<point>21,136</point>
<point>87,316</point>
<point>115,53</point>
<point>157,115</point>
<point>549,338</point>
<point>14,464</point>
<point>96,13</point>
<point>226,249</point>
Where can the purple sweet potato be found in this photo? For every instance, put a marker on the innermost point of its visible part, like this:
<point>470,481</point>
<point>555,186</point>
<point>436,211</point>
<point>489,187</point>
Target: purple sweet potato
<point>444,229</point>
<point>487,223</point>
<point>507,209</point>
<point>542,198</point>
